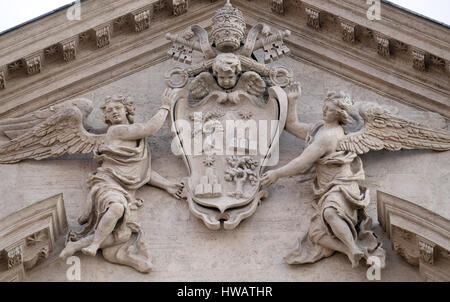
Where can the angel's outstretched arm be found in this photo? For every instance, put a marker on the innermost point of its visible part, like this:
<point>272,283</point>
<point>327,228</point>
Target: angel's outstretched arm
<point>302,163</point>
<point>293,125</point>
<point>140,130</point>
<point>305,161</point>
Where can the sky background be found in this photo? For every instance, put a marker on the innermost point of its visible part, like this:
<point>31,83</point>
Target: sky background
<point>15,12</point>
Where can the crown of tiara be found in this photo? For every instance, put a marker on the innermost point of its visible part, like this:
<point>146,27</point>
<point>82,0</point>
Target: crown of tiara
<point>228,28</point>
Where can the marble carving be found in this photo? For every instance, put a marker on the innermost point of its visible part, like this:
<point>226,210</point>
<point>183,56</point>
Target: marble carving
<point>28,236</point>
<point>420,236</point>
<point>340,222</point>
<point>229,92</point>
<point>109,216</point>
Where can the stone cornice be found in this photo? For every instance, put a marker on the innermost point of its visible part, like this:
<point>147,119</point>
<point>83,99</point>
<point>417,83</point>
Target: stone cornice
<point>395,23</point>
<point>417,234</point>
<point>394,71</point>
<point>128,51</point>
<point>68,58</point>
<point>52,29</point>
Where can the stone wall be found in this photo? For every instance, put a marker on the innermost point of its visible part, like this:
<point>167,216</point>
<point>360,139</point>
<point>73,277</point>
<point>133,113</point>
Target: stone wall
<point>183,249</point>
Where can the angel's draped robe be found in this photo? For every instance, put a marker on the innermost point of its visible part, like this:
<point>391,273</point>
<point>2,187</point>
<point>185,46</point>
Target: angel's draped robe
<point>123,170</point>
<point>336,186</point>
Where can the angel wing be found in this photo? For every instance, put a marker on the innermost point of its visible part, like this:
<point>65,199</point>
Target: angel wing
<point>383,130</point>
<point>49,133</point>
<point>202,85</point>
<point>252,83</point>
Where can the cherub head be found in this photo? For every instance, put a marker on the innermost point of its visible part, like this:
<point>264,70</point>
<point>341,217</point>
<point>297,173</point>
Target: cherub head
<point>226,69</point>
<point>118,110</point>
<point>336,108</point>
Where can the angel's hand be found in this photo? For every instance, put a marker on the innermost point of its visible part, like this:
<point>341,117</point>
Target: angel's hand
<point>269,178</point>
<point>175,189</point>
<point>294,91</point>
<point>169,97</point>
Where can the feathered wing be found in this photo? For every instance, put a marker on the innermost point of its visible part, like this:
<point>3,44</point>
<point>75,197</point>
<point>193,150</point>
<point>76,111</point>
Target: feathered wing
<point>252,83</point>
<point>202,85</point>
<point>50,133</point>
<point>383,130</point>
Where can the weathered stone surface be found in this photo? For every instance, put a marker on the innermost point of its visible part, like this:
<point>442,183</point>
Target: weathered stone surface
<point>30,235</point>
<point>420,236</point>
<point>182,247</point>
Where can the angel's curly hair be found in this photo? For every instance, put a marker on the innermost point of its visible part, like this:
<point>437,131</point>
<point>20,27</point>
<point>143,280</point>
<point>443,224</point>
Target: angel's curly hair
<point>226,62</point>
<point>343,102</point>
<point>125,101</point>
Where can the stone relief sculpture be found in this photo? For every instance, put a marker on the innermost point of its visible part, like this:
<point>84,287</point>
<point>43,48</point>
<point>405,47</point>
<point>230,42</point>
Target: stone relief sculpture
<point>224,186</point>
<point>109,216</point>
<point>228,91</point>
<point>340,222</point>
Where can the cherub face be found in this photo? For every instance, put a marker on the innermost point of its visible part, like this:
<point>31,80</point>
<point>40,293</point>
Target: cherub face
<point>330,112</point>
<point>115,113</point>
<point>227,79</point>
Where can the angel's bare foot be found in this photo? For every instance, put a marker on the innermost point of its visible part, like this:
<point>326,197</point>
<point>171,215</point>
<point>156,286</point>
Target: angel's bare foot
<point>175,189</point>
<point>70,249</point>
<point>91,250</point>
<point>355,256</point>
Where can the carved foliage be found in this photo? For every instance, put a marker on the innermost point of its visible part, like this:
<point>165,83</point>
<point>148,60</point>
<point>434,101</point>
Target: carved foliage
<point>240,172</point>
<point>426,252</point>
<point>312,17</point>
<point>141,20</point>
<point>383,46</point>
<point>419,60</point>
<point>278,6</point>
<point>159,5</point>
<point>435,60</point>
<point>14,257</point>
<point>400,46</point>
<point>84,37</point>
<point>69,50</point>
<point>179,7</point>
<point>33,64</point>
<point>15,66</point>
<point>403,243</point>
<point>102,35</point>
<point>348,32</point>
<point>51,51</point>
<point>121,22</point>
<point>37,247</point>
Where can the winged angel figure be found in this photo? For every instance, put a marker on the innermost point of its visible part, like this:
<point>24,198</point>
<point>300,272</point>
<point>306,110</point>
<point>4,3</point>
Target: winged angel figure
<point>227,68</point>
<point>340,222</point>
<point>125,166</point>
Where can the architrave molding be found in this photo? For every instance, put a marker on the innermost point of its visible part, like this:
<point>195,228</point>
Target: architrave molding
<point>132,50</point>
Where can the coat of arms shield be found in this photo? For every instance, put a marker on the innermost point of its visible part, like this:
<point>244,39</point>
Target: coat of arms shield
<point>227,123</point>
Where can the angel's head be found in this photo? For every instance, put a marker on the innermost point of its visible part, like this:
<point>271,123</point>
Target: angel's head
<point>336,108</point>
<point>226,69</point>
<point>118,110</point>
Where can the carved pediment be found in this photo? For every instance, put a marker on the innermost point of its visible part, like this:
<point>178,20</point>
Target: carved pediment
<point>23,64</point>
